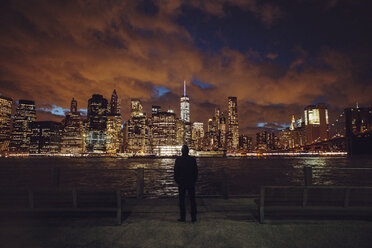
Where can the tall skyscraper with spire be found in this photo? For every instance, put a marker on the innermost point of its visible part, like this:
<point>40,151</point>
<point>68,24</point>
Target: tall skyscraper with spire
<point>114,104</point>
<point>113,127</point>
<point>185,105</point>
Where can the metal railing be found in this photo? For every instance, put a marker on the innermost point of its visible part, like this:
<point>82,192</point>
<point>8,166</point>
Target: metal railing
<point>221,182</point>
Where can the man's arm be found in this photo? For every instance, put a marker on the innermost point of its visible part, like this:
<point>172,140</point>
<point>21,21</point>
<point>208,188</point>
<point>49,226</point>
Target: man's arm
<point>195,171</point>
<point>176,172</point>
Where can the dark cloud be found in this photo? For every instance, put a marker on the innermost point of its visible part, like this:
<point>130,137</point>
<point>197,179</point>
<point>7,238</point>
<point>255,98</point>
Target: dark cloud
<point>55,50</point>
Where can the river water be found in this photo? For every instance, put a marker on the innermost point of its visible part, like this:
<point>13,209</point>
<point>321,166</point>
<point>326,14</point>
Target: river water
<point>241,176</point>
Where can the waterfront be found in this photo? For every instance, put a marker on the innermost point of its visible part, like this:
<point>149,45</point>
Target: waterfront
<point>244,176</point>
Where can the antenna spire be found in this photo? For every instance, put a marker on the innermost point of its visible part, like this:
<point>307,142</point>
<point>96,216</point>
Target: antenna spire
<point>184,87</point>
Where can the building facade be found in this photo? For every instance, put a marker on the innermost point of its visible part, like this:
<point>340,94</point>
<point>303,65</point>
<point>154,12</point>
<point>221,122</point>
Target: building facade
<point>72,131</point>
<point>185,106</point>
<point>45,137</point>
<point>266,141</point>
<point>358,131</point>
<point>316,123</point>
<point>137,132</point>
<point>233,124</point>
<point>197,135</point>
<point>25,115</point>
<point>114,126</point>
<point>97,124</point>
<point>5,122</point>
<point>245,143</point>
<point>163,129</point>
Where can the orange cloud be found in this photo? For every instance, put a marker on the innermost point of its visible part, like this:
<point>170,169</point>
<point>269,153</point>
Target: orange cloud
<point>54,51</point>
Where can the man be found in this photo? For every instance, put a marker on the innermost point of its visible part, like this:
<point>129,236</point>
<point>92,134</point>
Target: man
<point>185,175</point>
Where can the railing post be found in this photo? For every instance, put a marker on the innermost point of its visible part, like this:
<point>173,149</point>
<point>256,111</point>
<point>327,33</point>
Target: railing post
<point>140,182</point>
<point>56,176</point>
<point>225,182</point>
<point>308,175</point>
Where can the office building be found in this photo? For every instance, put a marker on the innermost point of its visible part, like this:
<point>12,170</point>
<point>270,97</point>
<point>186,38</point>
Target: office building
<point>114,108</point>
<point>185,105</point>
<point>222,133</point>
<point>25,115</point>
<point>233,124</point>
<point>358,130</point>
<point>316,123</point>
<point>164,132</point>
<point>163,128</point>
<point>45,137</point>
<point>72,131</point>
<point>245,143</point>
<point>197,135</point>
<point>114,126</point>
<point>5,122</point>
<point>137,132</point>
<point>97,124</point>
<point>136,108</point>
<point>266,141</point>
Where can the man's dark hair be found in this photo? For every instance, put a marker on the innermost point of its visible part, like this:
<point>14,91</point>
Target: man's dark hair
<point>185,150</point>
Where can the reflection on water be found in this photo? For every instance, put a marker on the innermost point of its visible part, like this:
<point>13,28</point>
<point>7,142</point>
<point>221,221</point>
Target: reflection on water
<point>314,162</point>
<point>243,176</point>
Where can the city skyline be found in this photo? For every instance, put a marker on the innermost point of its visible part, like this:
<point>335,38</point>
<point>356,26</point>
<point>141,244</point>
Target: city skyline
<point>276,57</point>
<point>125,111</point>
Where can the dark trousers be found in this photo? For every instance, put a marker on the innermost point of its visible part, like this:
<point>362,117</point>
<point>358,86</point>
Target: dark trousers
<point>182,194</point>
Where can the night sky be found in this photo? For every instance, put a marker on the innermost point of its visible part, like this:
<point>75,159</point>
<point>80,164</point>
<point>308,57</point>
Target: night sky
<point>275,56</point>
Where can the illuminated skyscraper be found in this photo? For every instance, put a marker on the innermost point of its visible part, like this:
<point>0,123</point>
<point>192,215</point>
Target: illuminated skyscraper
<point>72,131</point>
<point>293,123</point>
<point>211,141</point>
<point>180,132</point>
<point>163,128</point>
<point>185,105</point>
<point>155,109</point>
<point>285,139</point>
<point>316,123</point>
<point>266,141</point>
<point>113,128</point>
<point>24,116</point>
<point>216,119</point>
<point>113,133</point>
<point>245,142</point>
<point>97,124</point>
<point>136,108</point>
<point>114,104</point>
<point>233,124</point>
<point>73,107</point>
<point>137,132</point>
<point>358,130</point>
<point>197,135</point>
<point>45,137</point>
<point>5,122</point>
<point>222,133</point>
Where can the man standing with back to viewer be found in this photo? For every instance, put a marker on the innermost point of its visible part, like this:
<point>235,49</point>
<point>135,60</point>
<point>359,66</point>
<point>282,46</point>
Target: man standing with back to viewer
<point>185,175</point>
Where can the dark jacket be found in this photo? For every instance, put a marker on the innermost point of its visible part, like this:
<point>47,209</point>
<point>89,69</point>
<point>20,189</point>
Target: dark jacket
<point>185,171</point>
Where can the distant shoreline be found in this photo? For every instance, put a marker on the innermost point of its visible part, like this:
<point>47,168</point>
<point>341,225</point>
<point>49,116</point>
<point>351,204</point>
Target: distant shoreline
<point>226,155</point>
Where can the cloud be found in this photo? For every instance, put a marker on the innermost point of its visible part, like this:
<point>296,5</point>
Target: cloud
<point>53,51</point>
<point>272,56</point>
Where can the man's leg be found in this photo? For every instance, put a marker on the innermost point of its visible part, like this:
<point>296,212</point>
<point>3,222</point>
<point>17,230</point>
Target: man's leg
<point>181,197</point>
<point>192,202</point>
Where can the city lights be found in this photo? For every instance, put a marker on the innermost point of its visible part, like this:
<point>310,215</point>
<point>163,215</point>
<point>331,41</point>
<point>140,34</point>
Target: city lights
<point>102,132</point>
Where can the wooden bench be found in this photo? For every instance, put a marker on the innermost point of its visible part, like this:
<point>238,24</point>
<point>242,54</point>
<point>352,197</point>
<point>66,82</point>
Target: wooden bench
<point>315,200</point>
<point>62,200</point>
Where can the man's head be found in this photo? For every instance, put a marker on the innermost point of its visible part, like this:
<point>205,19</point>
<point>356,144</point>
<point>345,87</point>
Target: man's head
<point>185,150</point>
